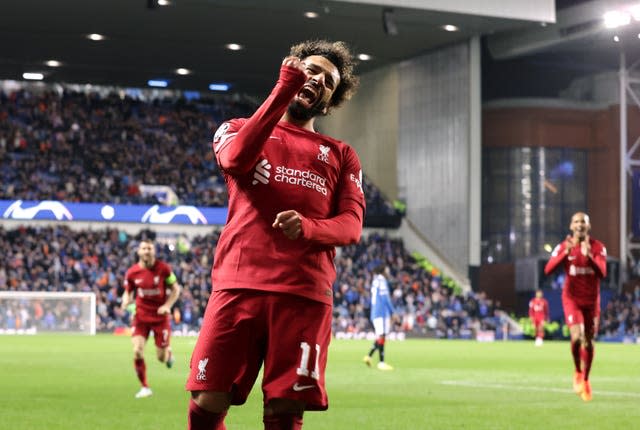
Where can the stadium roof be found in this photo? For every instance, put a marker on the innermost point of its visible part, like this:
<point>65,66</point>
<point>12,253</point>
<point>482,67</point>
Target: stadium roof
<point>145,41</point>
<point>543,60</point>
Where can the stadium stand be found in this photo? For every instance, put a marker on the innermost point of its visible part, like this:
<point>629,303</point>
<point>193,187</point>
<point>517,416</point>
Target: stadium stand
<point>87,147</point>
<point>57,258</point>
<point>425,305</point>
<point>103,146</point>
<point>620,319</point>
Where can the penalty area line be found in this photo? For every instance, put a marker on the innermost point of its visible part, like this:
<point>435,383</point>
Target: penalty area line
<point>472,384</point>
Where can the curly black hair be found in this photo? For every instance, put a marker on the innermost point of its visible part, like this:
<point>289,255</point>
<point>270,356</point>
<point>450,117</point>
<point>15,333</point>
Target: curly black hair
<point>340,55</point>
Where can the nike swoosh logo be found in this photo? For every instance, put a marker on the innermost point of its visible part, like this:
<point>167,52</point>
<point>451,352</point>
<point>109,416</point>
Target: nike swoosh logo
<point>297,387</point>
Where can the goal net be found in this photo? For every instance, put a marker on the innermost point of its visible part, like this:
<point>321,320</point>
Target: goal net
<point>47,312</point>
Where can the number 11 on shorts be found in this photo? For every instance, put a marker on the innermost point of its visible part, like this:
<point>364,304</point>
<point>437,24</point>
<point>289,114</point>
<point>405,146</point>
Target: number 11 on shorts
<point>303,370</point>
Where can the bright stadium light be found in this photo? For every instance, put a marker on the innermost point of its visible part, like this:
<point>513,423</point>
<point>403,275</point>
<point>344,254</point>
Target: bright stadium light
<point>616,18</point>
<point>182,71</point>
<point>159,83</point>
<point>53,63</point>
<point>622,16</point>
<point>234,46</point>
<point>95,37</point>
<point>364,57</point>
<point>311,15</point>
<point>31,76</point>
<point>450,27</point>
<point>219,87</point>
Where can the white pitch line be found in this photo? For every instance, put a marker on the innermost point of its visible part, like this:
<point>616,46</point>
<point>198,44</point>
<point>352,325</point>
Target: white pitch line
<point>529,388</point>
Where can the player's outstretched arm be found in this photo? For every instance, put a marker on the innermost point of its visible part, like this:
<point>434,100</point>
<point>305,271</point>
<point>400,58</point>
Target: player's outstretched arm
<point>239,154</point>
<point>558,255</point>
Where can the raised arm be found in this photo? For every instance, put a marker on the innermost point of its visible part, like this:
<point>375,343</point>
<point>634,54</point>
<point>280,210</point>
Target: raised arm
<point>557,256</point>
<point>238,151</point>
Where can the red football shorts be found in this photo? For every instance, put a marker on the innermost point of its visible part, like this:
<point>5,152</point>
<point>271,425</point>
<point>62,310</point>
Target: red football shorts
<point>242,329</point>
<point>575,313</point>
<point>161,331</point>
<point>538,322</point>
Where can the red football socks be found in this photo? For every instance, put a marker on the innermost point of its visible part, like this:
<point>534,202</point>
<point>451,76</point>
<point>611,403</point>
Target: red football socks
<point>589,352</point>
<point>141,370</point>
<point>282,422</point>
<point>201,419</point>
<point>575,352</point>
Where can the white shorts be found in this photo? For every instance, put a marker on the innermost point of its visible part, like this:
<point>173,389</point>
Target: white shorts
<point>382,325</point>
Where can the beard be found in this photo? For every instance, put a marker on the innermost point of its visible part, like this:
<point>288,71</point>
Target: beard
<point>301,113</point>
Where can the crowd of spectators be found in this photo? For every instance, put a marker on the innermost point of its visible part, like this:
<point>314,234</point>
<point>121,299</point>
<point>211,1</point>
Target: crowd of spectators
<point>60,259</point>
<point>424,306</point>
<point>57,258</point>
<point>55,314</point>
<point>63,260</point>
<point>621,317</point>
<point>85,147</point>
<point>78,146</point>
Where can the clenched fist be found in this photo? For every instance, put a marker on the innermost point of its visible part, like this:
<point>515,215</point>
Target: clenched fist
<point>290,222</point>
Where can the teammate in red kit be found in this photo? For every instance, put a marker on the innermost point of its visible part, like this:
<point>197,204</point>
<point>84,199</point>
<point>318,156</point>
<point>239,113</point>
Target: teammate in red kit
<point>539,314</point>
<point>149,279</point>
<point>585,262</point>
<point>294,195</point>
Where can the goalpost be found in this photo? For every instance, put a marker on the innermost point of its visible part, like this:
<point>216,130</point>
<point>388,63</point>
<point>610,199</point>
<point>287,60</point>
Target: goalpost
<point>26,312</point>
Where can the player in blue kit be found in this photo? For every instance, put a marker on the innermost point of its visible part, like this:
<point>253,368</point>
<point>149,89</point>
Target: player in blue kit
<point>381,312</point>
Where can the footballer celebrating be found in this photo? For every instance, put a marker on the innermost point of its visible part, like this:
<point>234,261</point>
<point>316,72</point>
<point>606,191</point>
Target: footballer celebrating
<point>149,279</point>
<point>539,314</point>
<point>294,195</point>
<point>584,260</point>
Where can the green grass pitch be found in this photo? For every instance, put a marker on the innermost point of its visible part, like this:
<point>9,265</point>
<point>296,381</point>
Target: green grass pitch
<point>76,382</point>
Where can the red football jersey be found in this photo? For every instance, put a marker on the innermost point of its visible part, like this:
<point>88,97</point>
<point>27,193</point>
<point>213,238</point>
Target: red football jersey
<point>539,309</point>
<point>297,169</point>
<point>583,273</point>
<point>150,289</point>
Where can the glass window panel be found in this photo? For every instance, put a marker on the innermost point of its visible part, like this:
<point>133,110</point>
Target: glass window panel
<point>529,194</point>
